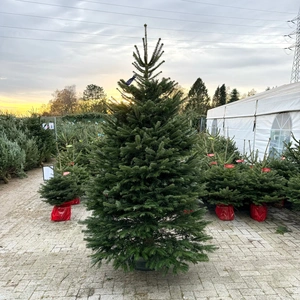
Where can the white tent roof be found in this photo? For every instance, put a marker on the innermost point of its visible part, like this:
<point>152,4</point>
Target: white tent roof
<point>281,99</point>
<point>261,123</point>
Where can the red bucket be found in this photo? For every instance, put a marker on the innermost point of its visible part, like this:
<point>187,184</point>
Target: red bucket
<point>225,212</point>
<point>258,212</point>
<point>61,213</point>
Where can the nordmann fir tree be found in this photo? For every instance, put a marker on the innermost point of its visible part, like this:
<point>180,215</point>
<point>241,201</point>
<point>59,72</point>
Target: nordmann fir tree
<point>144,197</point>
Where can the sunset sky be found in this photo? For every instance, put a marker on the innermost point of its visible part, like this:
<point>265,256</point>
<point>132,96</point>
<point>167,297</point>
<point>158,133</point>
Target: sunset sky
<point>47,45</point>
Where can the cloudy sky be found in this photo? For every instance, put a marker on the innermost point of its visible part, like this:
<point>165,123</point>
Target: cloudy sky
<point>46,45</point>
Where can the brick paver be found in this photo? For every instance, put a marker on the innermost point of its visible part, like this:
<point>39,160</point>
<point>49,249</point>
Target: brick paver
<point>40,259</point>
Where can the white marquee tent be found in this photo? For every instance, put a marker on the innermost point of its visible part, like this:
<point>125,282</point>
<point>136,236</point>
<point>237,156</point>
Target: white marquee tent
<point>262,123</point>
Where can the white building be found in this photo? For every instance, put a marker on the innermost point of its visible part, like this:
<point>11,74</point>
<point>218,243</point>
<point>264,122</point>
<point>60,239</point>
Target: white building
<point>263,122</point>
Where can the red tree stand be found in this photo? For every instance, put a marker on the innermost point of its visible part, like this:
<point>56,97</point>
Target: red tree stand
<point>258,212</point>
<point>61,213</point>
<point>72,202</point>
<point>225,212</point>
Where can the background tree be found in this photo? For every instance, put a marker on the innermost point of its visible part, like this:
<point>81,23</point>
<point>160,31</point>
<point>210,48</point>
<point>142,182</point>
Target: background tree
<point>198,100</point>
<point>216,97</point>
<point>144,195</point>
<point>220,96</point>
<point>234,96</point>
<point>64,101</point>
<point>197,104</point>
<point>93,92</point>
<point>179,89</point>
<point>94,99</point>
<point>251,93</point>
<point>248,94</point>
<point>223,95</point>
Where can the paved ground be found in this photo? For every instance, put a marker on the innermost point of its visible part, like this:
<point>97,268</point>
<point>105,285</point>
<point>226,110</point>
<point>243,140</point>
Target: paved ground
<point>40,259</point>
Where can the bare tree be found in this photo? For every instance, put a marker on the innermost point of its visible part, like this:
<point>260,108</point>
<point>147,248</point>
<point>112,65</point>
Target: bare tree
<point>64,101</point>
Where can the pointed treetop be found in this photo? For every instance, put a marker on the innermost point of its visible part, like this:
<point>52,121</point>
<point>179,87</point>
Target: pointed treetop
<point>145,69</point>
<point>144,66</point>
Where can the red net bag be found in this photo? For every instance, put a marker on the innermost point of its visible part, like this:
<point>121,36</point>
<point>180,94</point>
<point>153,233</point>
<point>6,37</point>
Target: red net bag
<point>258,212</point>
<point>61,213</point>
<point>225,212</point>
<point>72,202</point>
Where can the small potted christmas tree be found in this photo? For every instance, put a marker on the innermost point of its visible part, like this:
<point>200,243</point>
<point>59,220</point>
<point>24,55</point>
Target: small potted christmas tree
<point>286,168</point>
<point>260,188</point>
<point>221,177</point>
<point>223,189</point>
<point>59,191</point>
<point>293,191</point>
<point>80,176</point>
<point>68,162</point>
<point>289,167</point>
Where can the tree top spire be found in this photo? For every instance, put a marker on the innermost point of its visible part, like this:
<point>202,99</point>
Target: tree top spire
<point>145,66</point>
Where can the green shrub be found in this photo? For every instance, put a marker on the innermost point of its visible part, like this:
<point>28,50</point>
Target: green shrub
<point>45,138</point>
<point>293,191</point>
<point>12,159</point>
<point>15,131</point>
<point>292,152</point>
<point>284,167</point>
<point>30,148</point>
<point>262,187</point>
<point>32,154</point>
<point>84,117</point>
<point>83,137</point>
<point>25,144</point>
<point>223,149</point>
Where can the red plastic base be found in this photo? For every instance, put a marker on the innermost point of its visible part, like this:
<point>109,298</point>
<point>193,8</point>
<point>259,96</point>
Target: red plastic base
<point>61,213</point>
<point>75,201</point>
<point>72,202</point>
<point>225,212</point>
<point>258,212</point>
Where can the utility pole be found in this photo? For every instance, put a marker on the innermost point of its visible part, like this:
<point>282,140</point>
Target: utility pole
<point>296,62</point>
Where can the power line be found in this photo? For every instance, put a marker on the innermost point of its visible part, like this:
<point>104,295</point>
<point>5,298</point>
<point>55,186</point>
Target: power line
<point>109,35</point>
<point>61,41</point>
<point>69,20</point>
<point>122,44</point>
<point>176,12</point>
<point>131,26</point>
<point>68,32</point>
<point>238,7</point>
<point>135,15</point>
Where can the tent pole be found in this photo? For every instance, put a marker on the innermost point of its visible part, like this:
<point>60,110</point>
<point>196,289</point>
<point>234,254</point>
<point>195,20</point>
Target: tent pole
<point>254,125</point>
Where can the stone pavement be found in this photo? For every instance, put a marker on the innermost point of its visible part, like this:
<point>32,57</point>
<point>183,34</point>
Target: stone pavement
<point>40,259</point>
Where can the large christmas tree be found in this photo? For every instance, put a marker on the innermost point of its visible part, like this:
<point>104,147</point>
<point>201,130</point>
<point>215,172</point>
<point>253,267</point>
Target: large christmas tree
<point>144,197</point>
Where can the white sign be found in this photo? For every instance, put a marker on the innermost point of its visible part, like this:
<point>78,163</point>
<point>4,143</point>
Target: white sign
<point>48,172</point>
<point>50,125</point>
